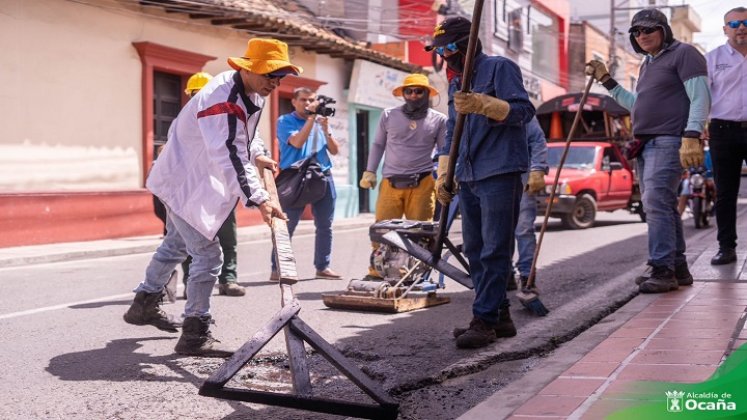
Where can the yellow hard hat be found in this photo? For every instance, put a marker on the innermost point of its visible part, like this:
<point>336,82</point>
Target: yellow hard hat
<point>196,82</point>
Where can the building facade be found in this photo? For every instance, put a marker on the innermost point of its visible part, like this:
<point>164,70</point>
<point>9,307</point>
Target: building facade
<point>91,87</point>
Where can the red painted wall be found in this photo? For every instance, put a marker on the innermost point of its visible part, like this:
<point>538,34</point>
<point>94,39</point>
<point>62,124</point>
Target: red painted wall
<point>42,218</point>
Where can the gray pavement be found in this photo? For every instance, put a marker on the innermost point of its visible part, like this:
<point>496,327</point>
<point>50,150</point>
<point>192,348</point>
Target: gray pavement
<point>67,251</point>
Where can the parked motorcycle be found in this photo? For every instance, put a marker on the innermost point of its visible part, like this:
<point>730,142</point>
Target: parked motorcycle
<point>701,194</point>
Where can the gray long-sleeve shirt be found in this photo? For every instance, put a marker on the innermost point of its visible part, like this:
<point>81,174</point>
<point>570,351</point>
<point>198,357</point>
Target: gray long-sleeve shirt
<point>408,144</point>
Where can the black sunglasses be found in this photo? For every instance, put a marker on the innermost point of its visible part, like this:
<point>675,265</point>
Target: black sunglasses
<point>638,31</point>
<point>410,91</point>
<point>274,76</point>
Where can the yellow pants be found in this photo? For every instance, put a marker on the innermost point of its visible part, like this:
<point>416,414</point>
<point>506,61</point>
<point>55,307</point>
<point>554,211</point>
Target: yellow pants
<point>417,203</point>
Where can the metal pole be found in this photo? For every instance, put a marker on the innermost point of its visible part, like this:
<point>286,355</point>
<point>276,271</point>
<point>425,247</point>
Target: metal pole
<point>611,62</point>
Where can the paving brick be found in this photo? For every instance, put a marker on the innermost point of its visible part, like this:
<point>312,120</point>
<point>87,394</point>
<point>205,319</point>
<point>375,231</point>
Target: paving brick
<point>668,373</point>
<point>693,344</point>
<point>546,405</point>
<point>694,333</point>
<point>625,332</point>
<point>591,369</point>
<point>685,357</point>
<point>576,387</point>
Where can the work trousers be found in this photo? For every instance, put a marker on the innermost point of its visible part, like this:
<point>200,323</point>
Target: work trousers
<point>728,150</point>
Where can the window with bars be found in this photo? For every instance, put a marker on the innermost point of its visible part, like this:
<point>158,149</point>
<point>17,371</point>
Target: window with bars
<point>167,101</point>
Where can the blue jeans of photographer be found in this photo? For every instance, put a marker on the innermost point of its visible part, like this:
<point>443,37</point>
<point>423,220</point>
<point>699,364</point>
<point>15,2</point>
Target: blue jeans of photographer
<point>526,242</point>
<point>324,213</point>
<point>659,173</point>
<point>490,208</point>
<point>180,241</point>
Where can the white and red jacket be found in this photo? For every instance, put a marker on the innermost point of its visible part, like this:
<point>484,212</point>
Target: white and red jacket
<point>207,164</point>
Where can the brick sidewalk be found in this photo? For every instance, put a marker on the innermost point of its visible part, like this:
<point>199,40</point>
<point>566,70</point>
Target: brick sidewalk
<point>681,336</point>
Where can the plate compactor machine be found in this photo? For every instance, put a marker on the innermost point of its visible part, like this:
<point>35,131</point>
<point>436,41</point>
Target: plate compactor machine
<point>404,282</point>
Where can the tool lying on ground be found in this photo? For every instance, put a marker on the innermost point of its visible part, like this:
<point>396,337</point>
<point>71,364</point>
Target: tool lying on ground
<point>296,333</point>
<point>404,282</point>
<point>529,294</point>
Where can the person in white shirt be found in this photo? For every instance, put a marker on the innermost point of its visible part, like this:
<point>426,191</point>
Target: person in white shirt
<point>727,79</point>
<point>206,167</point>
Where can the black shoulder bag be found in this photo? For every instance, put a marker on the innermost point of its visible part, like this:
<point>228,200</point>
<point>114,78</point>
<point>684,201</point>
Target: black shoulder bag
<point>302,183</point>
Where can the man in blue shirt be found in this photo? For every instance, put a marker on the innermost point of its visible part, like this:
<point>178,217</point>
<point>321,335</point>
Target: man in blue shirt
<point>301,134</point>
<point>669,110</point>
<point>492,156</point>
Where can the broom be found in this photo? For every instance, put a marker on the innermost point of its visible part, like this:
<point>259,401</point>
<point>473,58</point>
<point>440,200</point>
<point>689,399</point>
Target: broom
<point>529,294</point>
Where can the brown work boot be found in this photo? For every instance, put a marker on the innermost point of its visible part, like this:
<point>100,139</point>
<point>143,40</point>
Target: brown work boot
<point>196,339</point>
<point>681,273</point>
<point>662,280</point>
<point>146,310</point>
<point>231,289</point>
<point>504,328</point>
<point>479,334</point>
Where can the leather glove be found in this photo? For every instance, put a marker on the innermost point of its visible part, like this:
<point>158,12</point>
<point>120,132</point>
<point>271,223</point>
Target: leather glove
<point>478,103</point>
<point>368,180</point>
<point>444,197</point>
<point>691,154</point>
<point>536,182</point>
<point>597,69</point>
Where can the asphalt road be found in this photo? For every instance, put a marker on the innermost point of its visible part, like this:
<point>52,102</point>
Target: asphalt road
<point>68,354</point>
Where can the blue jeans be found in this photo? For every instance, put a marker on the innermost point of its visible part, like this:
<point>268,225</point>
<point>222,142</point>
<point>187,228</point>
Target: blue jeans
<point>660,171</point>
<point>490,208</point>
<point>324,213</point>
<point>526,242</point>
<point>181,240</point>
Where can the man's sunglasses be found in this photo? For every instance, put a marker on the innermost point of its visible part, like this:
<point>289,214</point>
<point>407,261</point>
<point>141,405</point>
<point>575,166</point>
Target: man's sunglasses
<point>275,76</point>
<point>734,24</point>
<point>451,47</point>
<point>638,31</point>
<point>413,91</point>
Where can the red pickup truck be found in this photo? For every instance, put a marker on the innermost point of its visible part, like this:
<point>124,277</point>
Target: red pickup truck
<point>595,177</point>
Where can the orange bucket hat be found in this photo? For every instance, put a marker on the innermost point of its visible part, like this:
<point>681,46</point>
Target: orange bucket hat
<point>415,79</point>
<point>263,56</point>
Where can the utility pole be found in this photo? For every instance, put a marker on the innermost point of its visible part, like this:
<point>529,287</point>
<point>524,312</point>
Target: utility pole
<point>611,61</point>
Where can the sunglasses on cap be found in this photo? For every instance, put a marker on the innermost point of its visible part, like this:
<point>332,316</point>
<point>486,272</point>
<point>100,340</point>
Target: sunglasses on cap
<point>413,91</point>
<point>638,31</point>
<point>734,24</point>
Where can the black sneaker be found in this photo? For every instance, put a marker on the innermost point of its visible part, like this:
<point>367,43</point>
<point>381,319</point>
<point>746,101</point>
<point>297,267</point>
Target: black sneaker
<point>681,273</point>
<point>662,280</point>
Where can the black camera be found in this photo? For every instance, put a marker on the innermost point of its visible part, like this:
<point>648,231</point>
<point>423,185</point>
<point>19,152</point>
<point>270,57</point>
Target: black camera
<point>324,109</point>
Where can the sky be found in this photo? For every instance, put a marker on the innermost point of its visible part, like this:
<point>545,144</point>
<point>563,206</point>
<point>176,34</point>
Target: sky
<point>712,19</point>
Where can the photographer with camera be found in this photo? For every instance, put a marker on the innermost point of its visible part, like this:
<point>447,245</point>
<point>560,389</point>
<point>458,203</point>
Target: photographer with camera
<point>302,133</point>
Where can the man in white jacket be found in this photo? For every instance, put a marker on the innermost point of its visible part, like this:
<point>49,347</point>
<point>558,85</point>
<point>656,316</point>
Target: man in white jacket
<point>207,165</point>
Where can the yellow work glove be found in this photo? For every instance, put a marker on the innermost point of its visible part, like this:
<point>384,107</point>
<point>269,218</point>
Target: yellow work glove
<point>536,182</point>
<point>691,154</point>
<point>477,103</point>
<point>444,197</point>
<point>597,70</point>
<point>368,180</point>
